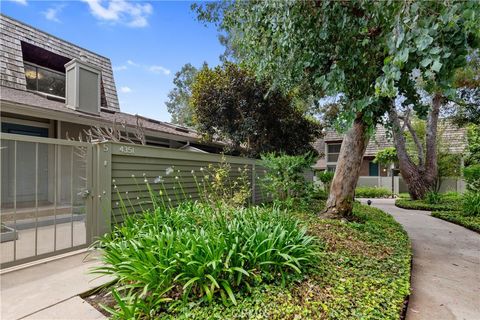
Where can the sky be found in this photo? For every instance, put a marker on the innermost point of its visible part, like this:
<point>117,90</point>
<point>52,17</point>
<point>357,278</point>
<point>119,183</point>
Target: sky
<point>146,41</point>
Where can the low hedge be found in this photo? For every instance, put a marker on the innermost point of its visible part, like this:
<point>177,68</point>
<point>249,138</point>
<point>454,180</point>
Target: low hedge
<point>372,192</point>
<point>423,205</point>
<point>457,217</point>
<point>363,273</point>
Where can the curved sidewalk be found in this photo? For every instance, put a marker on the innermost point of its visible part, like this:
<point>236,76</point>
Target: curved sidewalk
<point>446,265</point>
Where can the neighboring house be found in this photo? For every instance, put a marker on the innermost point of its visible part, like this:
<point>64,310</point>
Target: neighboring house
<point>329,149</point>
<point>52,88</point>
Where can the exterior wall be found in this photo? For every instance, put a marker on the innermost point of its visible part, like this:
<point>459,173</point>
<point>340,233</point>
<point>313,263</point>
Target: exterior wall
<point>12,72</point>
<point>448,184</point>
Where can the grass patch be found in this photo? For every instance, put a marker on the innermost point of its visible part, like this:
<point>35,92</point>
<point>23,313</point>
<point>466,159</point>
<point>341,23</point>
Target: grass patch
<point>444,205</point>
<point>457,217</point>
<point>372,192</point>
<point>361,270</point>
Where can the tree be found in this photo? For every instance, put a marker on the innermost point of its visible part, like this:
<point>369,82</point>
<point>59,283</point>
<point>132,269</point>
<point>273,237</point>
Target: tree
<point>335,48</point>
<point>179,97</point>
<point>430,44</point>
<point>230,104</point>
<point>327,48</point>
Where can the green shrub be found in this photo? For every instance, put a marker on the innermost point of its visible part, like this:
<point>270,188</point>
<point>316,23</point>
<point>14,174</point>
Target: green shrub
<point>199,251</point>
<point>326,178</point>
<point>423,205</point>
<point>433,197</point>
<point>472,176</point>
<point>372,192</point>
<point>284,179</point>
<point>471,203</point>
<point>457,217</point>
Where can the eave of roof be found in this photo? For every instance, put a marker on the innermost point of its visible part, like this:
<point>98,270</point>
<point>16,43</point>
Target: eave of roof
<point>27,103</point>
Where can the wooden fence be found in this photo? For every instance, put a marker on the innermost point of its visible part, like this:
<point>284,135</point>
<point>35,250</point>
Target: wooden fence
<point>125,172</point>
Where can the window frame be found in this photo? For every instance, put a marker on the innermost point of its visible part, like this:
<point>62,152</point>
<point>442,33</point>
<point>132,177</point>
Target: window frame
<point>328,153</point>
<point>36,66</point>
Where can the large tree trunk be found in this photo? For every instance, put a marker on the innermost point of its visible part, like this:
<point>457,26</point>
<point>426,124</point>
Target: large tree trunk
<point>342,188</point>
<point>419,178</point>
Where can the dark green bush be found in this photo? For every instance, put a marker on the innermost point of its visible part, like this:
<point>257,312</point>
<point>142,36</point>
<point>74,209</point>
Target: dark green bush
<point>472,176</point>
<point>326,178</point>
<point>471,203</point>
<point>433,197</point>
<point>372,192</point>
<point>423,205</point>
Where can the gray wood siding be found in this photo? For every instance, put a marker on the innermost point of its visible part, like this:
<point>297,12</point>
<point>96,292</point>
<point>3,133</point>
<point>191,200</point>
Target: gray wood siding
<point>132,174</point>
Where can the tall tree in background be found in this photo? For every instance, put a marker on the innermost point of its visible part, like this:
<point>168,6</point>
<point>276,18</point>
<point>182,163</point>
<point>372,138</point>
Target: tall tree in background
<point>230,104</point>
<point>336,48</point>
<point>179,96</point>
<point>327,48</point>
<point>430,43</point>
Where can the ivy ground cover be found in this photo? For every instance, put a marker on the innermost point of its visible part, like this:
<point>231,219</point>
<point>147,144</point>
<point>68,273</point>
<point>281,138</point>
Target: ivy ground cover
<point>313,268</point>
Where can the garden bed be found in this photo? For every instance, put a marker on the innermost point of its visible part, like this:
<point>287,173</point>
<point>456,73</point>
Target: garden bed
<point>457,217</point>
<point>423,205</point>
<point>363,271</point>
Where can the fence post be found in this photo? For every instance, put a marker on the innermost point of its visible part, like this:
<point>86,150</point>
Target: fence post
<point>254,188</point>
<point>103,188</point>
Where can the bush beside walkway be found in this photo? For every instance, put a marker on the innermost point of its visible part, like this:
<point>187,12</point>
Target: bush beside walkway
<point>457,217</point>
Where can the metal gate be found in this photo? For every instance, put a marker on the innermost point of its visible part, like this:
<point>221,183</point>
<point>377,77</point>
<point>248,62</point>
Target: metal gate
<point>46,204</point>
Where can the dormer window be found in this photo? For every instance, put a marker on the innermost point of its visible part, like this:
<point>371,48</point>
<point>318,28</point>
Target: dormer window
<point>45,80</point>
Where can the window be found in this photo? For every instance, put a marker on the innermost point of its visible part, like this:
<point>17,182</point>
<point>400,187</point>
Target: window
<point>331,168</point>
<point>333,150</point>
<point>45,80</point>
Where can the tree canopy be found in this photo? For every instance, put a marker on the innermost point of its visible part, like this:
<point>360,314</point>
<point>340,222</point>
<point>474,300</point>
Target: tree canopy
<point>229,103</point>
<point>179,96</point>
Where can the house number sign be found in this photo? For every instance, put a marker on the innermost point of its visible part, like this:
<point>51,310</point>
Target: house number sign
<point>127,149</point>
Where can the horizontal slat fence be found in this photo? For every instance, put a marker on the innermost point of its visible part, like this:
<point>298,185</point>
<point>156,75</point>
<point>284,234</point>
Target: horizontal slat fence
<point>171,175</point>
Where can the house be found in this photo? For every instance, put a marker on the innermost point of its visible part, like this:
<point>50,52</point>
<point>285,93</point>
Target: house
<point>52,88</point>
<point>329,148</point>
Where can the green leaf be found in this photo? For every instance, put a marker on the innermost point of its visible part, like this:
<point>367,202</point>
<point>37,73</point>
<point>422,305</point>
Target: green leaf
<point>423,42</point>
<point>425,62</point>
<point>437,65</point>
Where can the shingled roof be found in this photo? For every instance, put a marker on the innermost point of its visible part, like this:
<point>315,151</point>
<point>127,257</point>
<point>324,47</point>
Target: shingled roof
<point>454,138</point>
<point>12,72</point>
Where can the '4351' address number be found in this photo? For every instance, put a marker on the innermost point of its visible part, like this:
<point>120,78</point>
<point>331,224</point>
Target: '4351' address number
<point>127,149</point>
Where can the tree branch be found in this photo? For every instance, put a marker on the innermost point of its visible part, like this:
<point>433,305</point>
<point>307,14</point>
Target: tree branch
<point>416,140</point>
<point>431,137</point>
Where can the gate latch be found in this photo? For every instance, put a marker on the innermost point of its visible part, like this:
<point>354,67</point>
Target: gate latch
<point>85,193</point>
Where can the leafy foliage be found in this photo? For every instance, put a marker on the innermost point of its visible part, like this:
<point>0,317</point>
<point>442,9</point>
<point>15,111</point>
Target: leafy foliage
<point>372,192</point>
<point>194,251</point>
<point>364,273</point>
<point>471,204</point>
<point>433,197</point>
<point>469,222</point>
<point>229,103</point>
<point>303,48</point>
<point>444,205</point>
<point>326,178</point>
<point>179,97</point>
<point>472,176</point>
<point>386,156</point>
<point>284,178</point>
<point>218,187</point>
<point>473,149</point>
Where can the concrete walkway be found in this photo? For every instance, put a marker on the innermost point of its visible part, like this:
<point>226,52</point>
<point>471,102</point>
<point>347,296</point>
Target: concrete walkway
<point>446,265</point>
<point>50,290</point>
